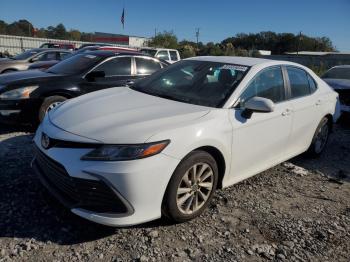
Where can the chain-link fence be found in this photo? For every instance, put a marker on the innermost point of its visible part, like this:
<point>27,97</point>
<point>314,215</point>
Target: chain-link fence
<point>17,44</point>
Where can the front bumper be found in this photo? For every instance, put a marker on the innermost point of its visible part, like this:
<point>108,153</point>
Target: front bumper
<point>137,186</point>
<point>19,111</point>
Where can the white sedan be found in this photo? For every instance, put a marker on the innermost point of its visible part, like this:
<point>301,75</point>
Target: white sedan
<point>125,156</point>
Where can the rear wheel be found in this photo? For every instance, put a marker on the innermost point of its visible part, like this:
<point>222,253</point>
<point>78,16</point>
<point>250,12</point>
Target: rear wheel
<point>191,187</point>
<point>48,104</point>
<point>320,138</point>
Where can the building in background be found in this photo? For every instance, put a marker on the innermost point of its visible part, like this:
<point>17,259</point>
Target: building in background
<point>118,39</point>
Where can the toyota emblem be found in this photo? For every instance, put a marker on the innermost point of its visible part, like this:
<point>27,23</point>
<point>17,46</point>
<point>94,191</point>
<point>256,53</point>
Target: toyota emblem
<point>45,141</point>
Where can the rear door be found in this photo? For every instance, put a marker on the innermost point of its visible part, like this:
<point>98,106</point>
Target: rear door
<point>306,108</point>
<point>117,70</point>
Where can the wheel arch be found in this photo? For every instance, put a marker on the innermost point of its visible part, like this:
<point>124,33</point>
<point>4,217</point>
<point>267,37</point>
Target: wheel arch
<point>219,158</point>
<point>9,69</point>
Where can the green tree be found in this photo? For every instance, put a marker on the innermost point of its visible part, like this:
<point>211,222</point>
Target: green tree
<point>60,32</point>
<point>3,27</point>
<point>74,35</point>
<point>165,39</point>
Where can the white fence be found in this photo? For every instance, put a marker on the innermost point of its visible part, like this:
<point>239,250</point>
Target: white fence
<point>17,44</point>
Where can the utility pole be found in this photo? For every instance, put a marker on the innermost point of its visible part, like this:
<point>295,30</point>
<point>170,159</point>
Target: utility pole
<point>197,35</point>
<point>299,39</point>
<point>155,32</point>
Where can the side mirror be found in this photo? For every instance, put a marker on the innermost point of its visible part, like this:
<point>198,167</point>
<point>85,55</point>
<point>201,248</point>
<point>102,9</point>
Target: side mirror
<point>95,74</point>
<point>34,59</point>
<point>257,104</point>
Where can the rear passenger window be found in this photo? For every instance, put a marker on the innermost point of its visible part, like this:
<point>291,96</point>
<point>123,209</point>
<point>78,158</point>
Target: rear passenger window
<point>268,84</point>
<point>120,66</point>
<point>146,66</point>
<point>312,84</point>
<point>173,55</point>
<point>299,82</point>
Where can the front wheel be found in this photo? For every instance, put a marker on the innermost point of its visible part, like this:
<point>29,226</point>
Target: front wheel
<point>191,187</point>
<point>320,138</point>
<point>48,104</point>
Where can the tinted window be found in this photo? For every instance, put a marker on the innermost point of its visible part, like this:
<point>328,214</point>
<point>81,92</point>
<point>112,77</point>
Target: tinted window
<point>47,56</point>
<point>312,84</point>
<point>173,55</point>
<point>268,84</point>
<point>63,55</point>
<point>195,82</point>
<point>163,55</point>
<point>116,67</point>
<point>338,73</point>
<point>75,64</point>
<point>146,66</point>
<point>150,52</point>
<point>299,82</point>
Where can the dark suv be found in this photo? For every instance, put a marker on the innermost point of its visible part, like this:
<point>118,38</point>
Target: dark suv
<point>26,96</point>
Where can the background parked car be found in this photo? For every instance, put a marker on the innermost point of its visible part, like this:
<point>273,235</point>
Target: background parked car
<point>25,59</point>
<point>27,96</point>
<point>43,65</point>
<point>67,46</point>
<point>169,55</point>
<point>338,78</point>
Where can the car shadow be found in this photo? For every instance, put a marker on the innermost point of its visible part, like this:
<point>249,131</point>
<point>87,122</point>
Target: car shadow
<point>27,209</point>
<point>334,161</point>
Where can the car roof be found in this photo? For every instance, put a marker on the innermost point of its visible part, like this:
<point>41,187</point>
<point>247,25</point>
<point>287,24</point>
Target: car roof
<point>108,53</point>
<point>49,49</point>
<point>247,61</point>
<point>341,66</point>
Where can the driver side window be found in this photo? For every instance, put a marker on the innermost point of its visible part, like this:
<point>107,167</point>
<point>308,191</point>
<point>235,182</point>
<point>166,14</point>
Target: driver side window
<point>267,84</point>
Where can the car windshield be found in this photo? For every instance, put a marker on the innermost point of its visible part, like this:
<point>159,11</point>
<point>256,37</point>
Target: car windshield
<point>338,73</point>
<point>25,55</point>
<point>76,64</point>
<point>150,52</point>
<point>196,82</point>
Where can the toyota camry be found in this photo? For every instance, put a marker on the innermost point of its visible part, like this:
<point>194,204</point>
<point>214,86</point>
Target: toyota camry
<point>162,147</point>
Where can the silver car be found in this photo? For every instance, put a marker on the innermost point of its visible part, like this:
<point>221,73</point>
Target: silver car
<point>25,59</point>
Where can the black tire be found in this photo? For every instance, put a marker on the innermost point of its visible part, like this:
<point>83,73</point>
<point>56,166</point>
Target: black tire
<point>315,149</point>
<point>47,103</point>
<point>170,208</point>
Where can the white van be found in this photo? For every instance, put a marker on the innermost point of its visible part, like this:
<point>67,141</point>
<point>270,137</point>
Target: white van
<point>169,55</point>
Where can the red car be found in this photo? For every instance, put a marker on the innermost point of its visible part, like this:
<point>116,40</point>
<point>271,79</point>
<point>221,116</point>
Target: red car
<point>59,45</point>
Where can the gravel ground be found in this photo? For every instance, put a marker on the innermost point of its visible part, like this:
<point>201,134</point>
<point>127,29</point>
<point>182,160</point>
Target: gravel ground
<point>297,211</point>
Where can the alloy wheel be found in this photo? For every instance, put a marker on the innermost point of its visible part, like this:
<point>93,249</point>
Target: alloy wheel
<point>195,188</point>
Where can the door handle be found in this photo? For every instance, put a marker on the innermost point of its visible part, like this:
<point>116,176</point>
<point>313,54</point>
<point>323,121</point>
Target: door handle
<point>319,102</point>
<point>130,82</point>
<point>286,112</point>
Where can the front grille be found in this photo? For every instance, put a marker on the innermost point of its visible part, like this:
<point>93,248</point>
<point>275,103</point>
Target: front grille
<point>92,195</point>
<point>344,96</point>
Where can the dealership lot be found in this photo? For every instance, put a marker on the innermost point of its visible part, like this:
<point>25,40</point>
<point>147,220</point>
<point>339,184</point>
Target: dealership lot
<point>299,210</point>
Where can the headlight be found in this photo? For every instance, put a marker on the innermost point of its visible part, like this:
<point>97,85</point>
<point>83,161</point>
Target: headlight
<point>19,93</point>
<point>125,152</point>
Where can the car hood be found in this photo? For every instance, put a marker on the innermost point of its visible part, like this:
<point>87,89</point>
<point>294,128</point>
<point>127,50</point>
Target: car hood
<point>11,61</point>
<point>121,115</point>
<point>338,83</point>
<point>25,76</point>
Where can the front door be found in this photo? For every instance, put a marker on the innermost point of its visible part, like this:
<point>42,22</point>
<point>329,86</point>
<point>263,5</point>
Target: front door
<point>260,142</point>
<point>117,73</point>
